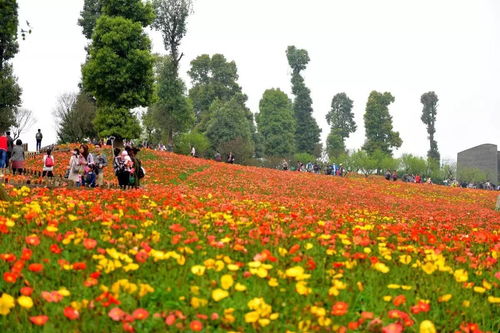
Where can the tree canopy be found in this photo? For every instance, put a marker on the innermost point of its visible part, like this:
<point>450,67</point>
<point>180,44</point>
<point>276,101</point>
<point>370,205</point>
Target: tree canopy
<point>276,123</point>
<point>429,112</point>
<point>342,124</point>
<point>307,130</point>
<point>378,124</point>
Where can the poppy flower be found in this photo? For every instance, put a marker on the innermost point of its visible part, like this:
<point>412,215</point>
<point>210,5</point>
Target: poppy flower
<point>140,314</point>
<point>35,267</point>
<point>116,314</point>
<point>39,320</point>
<point>196,326</point>
<point>71,313</point>
<point>339,308</point>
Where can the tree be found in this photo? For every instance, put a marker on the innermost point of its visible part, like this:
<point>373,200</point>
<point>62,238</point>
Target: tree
<point>24,120</point>
<point>230,124</point>
<point>10,92</point>
<point>378,124</point>
<point>430,100</point>
<point>185,141</point>
<point>413,165</point>
<point>212,78</point>
<point>171,17</point>
<point>342,124</point>
<point>307,130</point>
<point>119,70</point>
<point>361,161</point>
<point>276,123</point>
<point>173,111</point>
<point>89,15</point>
<point>76,113</point>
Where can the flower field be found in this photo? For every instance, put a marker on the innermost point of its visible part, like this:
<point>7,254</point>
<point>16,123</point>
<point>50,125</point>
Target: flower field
<point>211,247</point>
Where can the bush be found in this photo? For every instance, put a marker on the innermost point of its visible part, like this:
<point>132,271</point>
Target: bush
<point>184,142</point>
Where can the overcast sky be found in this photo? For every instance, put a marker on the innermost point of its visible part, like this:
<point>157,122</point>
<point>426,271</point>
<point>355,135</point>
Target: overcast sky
<point>405,47</point>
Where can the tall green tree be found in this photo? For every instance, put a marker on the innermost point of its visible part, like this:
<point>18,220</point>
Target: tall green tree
<point>172,111</point>
<point>307,130</point>
<point>342,124</point>
<point>229,124</point>
<point>89,15</point>
<point>10,92</point>
<point>171,21</point>
<point>119,70</point>
<point>429,112</point>
<point>378,124</point>
<point>276,123</point>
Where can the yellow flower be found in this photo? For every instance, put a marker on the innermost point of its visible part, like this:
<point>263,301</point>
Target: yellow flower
<point>429,267</point>
<point>493,300</point>
<point>295,271</point>
<point>233,267</point>
<point>240,287</point>
<point>264,322</point>
<point>427,327</point>
<point>387,298</point>
<point>6,303</point>
<point>25,302</point>
<point>406,287</point>
<point>198,270</point>
<point>302,288</point>
<point>381,267</point>
<point>273,282</point>
<point>405,259</point>
<point>251,317</point>
<point>479,290</point>
<point>466,304</point>
<point>461,275</point>
<point>445,298</point>
<point>219,294</point>
<point>198,302</point>
<point>226,281</point>
<point>360,285</point>
<point>393,286</point>
<point>63,291</point>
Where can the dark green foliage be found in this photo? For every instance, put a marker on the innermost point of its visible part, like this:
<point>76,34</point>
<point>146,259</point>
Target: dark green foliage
<point>171,20</point>
<point>307,130</point>
<point>76,115</point>
<point>229,123</point>
<point>8,31</point>
<point>119,70</point>
<point>89,15</point>
<point>117,122</point>
<point>341,121</point>
<point>378,124</point>
<point>172,111</point>
<point>212,78</point>
<point>276,123</point>
<point>10,97</point>
<point>429,112</point>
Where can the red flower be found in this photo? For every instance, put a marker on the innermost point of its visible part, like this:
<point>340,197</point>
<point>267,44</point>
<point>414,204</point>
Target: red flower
<point>393,328</point>
<point>170,320</point>
<point>420,307</point>
<point>35,267</point>
<point>10,277</point>
<point>89,243</point>
<point>78,266</point>
<point>32,240</point>
<point>116,314</point>
<point>71,313</point>
<point>340,308</point>
<point>196,325</point>
<point>39,320</point>
<point>398,300</point>
<point>140,314</point>
<point>26,254</point>
<point>26,291</point>
<point>54,248</point>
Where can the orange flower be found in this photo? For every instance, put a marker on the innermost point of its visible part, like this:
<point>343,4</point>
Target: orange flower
<point>89,243</point>
<point>140,314</point>
<point>26,291</point>
<point>32,240</point>
<point>398,300</point>
<point>39,320</point>
<point>196,325</point>
<point>340,308</point>
<point>35,267</point>
<point>116,314</point>
<point>10,277</point>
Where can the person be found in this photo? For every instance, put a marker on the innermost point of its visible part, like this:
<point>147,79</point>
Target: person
<point>75,168</point>
<point>48,164</point>
<point>218,157</point>
<point>100,164</point>
<point>230,158</point>
<point>10,146</point>
<point>138,171</point>
<point>193,152</point>
<point>284,165</point>
<point>89,176</point>
<point>394,175</point>
<point>418,179</point>
<point>429,180</point>
<point>38,137</point>
<point>17,158</point>
<point>387,175</point>
<point>3,153</point>
<point>122,165</point>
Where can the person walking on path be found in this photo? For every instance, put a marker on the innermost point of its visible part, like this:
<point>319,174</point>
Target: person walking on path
<point>48,164</point>
<point>18,158</point>
<point>38,137</point>
<point>101,162</point>
<point>4,146</point>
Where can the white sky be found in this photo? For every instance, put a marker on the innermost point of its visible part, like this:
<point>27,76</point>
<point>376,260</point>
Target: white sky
<point>356,46</point>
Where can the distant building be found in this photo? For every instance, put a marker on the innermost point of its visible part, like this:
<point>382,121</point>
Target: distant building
<point>484,157</point>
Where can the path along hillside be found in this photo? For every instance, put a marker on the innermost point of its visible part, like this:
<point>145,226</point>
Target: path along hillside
<point>207,245</point>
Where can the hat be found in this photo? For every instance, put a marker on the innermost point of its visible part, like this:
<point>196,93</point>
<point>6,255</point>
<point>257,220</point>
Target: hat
<point>124,153</point>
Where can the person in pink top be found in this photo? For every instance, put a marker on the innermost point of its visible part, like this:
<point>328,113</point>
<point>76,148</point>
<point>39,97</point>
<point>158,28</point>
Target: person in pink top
<point>4,146</point>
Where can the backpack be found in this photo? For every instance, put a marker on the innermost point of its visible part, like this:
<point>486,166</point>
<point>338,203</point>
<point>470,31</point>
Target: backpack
<point>39,136</point>
<point>49,162</point>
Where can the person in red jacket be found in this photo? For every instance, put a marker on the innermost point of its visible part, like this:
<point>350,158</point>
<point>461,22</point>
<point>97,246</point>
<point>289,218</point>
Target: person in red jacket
<point>4,146</point>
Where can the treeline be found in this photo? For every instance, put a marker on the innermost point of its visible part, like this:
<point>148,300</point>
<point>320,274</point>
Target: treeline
<point>129,93</point>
